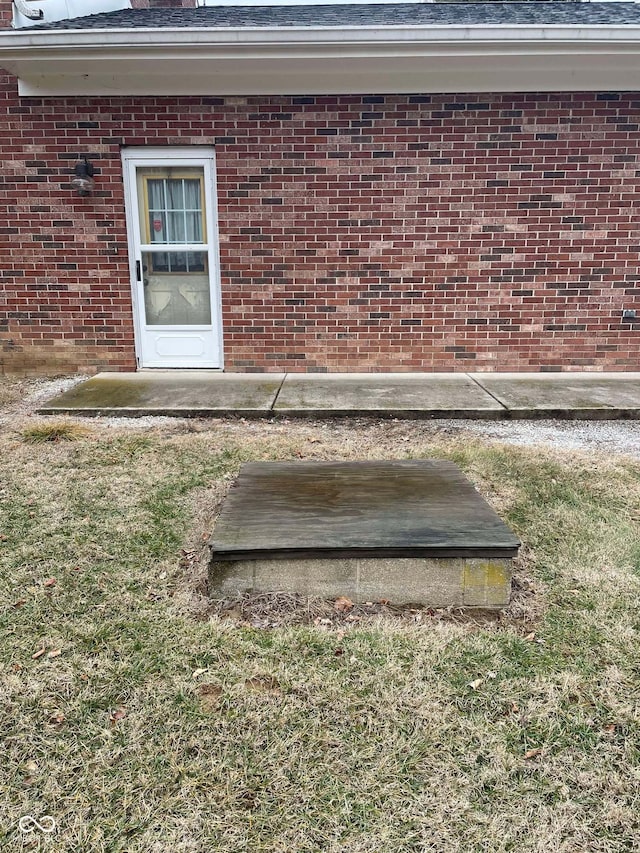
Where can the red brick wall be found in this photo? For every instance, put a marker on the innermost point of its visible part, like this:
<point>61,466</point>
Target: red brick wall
<point>6,13</point>
<point>448,232</point>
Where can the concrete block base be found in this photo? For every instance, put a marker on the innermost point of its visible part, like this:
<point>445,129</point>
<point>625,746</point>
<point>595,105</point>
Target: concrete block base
<point>431,582</point>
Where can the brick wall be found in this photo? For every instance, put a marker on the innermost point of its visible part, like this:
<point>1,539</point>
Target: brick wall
<point>470,232</point>
<point>6,13</point>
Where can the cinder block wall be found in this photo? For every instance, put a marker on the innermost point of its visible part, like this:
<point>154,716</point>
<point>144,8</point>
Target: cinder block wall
<point>357,233</point>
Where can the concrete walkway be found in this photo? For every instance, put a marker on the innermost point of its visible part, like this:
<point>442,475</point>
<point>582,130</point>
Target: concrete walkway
<point>193,393</point>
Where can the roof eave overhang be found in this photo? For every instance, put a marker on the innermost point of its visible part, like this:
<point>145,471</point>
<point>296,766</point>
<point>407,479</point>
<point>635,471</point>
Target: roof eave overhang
<point>260,61</point>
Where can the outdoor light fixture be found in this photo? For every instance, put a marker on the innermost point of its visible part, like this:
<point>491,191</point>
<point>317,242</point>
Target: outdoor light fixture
<point>83,177</point>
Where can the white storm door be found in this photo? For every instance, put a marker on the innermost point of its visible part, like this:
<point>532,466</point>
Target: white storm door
<point>174,257</point>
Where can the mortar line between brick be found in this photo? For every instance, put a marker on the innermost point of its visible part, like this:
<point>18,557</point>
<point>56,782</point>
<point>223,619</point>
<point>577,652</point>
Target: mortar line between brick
<point>486,391</point>
<point>275,399</point>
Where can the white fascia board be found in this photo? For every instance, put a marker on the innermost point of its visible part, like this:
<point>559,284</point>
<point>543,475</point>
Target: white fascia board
<point>420,34</point>
<point>322,60</point>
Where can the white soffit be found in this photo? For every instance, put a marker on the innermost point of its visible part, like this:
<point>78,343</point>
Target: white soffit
<point>331,60</point>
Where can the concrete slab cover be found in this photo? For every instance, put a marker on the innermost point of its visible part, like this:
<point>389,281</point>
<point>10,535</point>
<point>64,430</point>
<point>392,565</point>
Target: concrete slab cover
<point>600,394</point>
<point>392,393</point>
<point>176,392</point>
<point>409,508</point>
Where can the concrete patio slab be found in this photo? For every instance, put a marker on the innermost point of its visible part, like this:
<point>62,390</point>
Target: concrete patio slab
<point>182,393</point>
<point>432,395</point>
<point>489,396</point>
<point>565,395</point>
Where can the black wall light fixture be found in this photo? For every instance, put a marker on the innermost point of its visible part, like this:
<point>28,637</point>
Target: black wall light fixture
<point>83,177</point>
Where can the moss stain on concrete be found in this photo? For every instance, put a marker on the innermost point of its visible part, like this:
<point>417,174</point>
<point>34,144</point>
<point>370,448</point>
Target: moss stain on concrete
<point>104,394</point>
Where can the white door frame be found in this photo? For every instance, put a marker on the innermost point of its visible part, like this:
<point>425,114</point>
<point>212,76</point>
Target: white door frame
<point>198,156</point>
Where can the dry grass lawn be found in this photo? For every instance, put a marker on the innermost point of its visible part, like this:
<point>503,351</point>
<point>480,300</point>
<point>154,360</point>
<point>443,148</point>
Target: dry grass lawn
<point>143,718</point>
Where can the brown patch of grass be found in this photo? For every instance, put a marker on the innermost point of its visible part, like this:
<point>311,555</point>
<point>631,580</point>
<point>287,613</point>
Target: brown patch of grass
<point>210,696</point>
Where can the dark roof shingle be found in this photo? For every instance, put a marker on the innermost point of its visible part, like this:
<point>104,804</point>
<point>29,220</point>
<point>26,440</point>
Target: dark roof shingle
<point>539,13</point>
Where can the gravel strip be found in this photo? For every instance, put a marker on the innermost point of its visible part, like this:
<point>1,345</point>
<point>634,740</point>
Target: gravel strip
<point>603,436</point>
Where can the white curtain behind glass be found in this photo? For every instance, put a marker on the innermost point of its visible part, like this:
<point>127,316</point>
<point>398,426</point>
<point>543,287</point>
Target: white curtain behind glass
<point>175,210</point>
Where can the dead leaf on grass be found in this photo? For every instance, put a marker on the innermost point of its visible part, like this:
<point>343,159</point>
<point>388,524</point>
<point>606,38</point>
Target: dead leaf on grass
<point>475,684</point>
<point>117,715</point>
<point>39,653</point>
<point>198,672</point>
<point>342,604</point>
<point>56,718</point>
<point>533,753</point>
<point>188,559</point>
<point>31,771</point>
<point>20,602</point>
<point>50,582</point>
<point>54,653</point>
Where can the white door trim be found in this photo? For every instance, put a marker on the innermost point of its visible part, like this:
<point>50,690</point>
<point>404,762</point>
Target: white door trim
<point>199,156</point>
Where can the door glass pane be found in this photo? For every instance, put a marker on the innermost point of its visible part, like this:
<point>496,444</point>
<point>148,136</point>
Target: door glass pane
<point>176,288</point>
<point>175,193</point>
<point>176,228</point>
<point>158,226</point>
<point>155,189</point>
<point>194,227</point>
<point>171,201</point>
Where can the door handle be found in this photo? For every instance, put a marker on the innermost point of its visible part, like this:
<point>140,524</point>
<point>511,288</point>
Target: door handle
<point>138,270</point>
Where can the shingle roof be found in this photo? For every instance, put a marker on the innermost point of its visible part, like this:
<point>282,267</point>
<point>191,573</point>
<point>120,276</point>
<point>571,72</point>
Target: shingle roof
<point>396,14</point>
